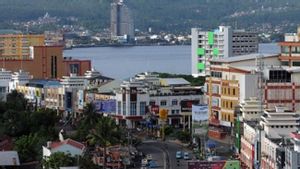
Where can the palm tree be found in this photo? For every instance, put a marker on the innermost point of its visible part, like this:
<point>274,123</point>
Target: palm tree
<point>90,115</point>
<point>106,133</point>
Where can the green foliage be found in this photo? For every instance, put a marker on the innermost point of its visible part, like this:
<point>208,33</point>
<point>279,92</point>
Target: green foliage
<point>168,130</point>
<point>199,81</point>
<point>183,136</point>
<point>16,101</point>
<point>57,160</point>
<point>168,15</point>
<point>27,147</point>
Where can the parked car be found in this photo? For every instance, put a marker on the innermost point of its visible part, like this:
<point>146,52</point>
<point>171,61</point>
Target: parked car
<point>152,164</point>
<point>178,155</point>
<point>186,156</point>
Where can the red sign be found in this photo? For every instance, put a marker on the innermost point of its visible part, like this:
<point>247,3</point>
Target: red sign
<point>154,109</point>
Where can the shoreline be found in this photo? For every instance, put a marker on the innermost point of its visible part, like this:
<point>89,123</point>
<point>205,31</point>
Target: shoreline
<point>123,45</point>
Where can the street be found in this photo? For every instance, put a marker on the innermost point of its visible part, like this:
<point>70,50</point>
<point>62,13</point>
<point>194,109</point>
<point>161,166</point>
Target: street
<point>164,154</point>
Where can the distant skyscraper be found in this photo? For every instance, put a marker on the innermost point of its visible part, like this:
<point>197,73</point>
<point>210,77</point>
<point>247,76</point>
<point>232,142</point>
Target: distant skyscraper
<point>121,20</point>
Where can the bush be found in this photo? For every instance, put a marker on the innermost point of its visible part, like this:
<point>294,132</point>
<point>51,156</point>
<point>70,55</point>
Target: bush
<point>183,136</point>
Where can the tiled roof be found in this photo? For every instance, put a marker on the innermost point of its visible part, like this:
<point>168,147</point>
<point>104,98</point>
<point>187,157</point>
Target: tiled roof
<point>70,142</point>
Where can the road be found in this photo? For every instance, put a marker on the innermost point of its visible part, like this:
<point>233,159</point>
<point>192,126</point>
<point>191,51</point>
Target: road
<point>164,154</point>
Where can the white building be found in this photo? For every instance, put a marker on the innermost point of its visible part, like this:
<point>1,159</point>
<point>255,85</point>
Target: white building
<point>74,82</point>
<point>9,159</point>
<point>5,78</point>
<point>280,122</point>
<point>224,42</point>
<point>143,96</point>
<point>19,78</point>
<point>251,109</point>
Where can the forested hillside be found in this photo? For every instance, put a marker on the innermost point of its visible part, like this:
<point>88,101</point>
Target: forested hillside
<point>172,15</point>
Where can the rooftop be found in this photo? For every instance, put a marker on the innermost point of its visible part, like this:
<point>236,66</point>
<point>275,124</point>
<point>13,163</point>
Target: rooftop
<point>71,142</point>
<point>246,57</point>
<point>9,158</point>
<point>173,81</point>
<point>43,83</point>
<point>9,31</point>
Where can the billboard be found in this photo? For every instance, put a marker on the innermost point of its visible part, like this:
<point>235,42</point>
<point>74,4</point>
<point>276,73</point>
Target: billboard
<point>105,106</point>
<point>163,114</point>
<point>230,164</point>
<point>200,119</point>
<point>186,105</point>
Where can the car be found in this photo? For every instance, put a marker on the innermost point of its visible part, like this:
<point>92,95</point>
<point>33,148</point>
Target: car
<point>152,164</point>
<point>186,156</point>
<point>178,155</point>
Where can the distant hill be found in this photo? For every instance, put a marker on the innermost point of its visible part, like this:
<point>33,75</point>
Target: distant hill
<point>172,15</point>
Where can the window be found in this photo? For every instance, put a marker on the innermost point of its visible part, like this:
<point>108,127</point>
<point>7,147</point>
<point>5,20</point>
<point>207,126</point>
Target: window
<point>233,92</point>
<point>152,103</point>
<point>133,108</point>
<point>142,108</point>
<point>119,107</point>
<point>174,102</point>
<point>173,111</point>
<point>124,108</point>
<point>163,103</point>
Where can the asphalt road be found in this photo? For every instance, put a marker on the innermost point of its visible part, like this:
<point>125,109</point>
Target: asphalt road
<point>164,154</point>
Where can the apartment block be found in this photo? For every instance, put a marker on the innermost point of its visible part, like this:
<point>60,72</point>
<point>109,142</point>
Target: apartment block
<point>224,42</point>
<point>16,46</point>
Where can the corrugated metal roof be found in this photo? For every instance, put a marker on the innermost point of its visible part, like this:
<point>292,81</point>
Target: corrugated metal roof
<point>174,81</point>
<point>245,57</point>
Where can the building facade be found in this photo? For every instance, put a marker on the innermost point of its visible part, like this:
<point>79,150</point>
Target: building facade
<point>47,62</point>
<point>121,21</point>
<point>17,46</point>
<point>224,42</point>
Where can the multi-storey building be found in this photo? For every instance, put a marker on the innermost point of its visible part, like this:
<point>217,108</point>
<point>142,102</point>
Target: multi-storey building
<point>5,78</point>
<point>248,140</point>
<point>142,97</point>
<point>17,46</point>
<point>224,42</point>
<point>47,62</point>
<point>277,124</point>
<point>230,83</point>
<point>292,152</point>
<point>121,21</point>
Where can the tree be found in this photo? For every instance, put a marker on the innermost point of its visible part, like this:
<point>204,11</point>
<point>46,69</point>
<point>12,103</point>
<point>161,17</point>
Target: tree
<point>27,147</point>
<point>106,133</point>
<point>88,122</point>
<point>57,160</point>
<point>16,101</point>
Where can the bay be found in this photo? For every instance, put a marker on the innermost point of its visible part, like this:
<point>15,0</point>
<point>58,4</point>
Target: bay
<point>125,62</point>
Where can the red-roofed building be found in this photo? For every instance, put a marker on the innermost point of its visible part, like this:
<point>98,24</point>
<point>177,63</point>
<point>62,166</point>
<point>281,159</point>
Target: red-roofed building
<point>67,146</point>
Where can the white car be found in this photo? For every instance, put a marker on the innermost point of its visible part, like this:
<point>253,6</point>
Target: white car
<point>144,162</point>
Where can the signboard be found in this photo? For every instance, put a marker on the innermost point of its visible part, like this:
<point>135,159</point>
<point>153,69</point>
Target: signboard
<point>80,99</point>
<point>163,114</point>
<point>105,106</point>
<point>154,109</point>
<point>200,119</point>
<point>230,164</point>
<point>186,105</point>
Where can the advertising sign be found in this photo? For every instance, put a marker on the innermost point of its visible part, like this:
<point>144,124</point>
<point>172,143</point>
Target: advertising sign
<point>163,114</point>
<point>230,164</point>
<point>200,119</point>
<point>154,109</point>
<point>186,105</point>
<point>80,99</point>
<point>105,106</point>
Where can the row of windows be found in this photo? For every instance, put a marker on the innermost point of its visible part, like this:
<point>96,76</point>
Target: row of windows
<point>229,91</point>
<point>291,126</point>
<point>226,117</point>
<point>227,104</point>
<point>133,110</point>
<point>251,112</point>
<point>164,102</point>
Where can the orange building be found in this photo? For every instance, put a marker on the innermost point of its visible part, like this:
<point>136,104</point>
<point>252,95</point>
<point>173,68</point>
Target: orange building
<point>47,62</point>
<point>15,45</point>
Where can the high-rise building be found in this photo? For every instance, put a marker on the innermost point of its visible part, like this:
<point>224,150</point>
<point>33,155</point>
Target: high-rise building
<point>224,42</point>
<point>121,21</point>
<point>14,45</point>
